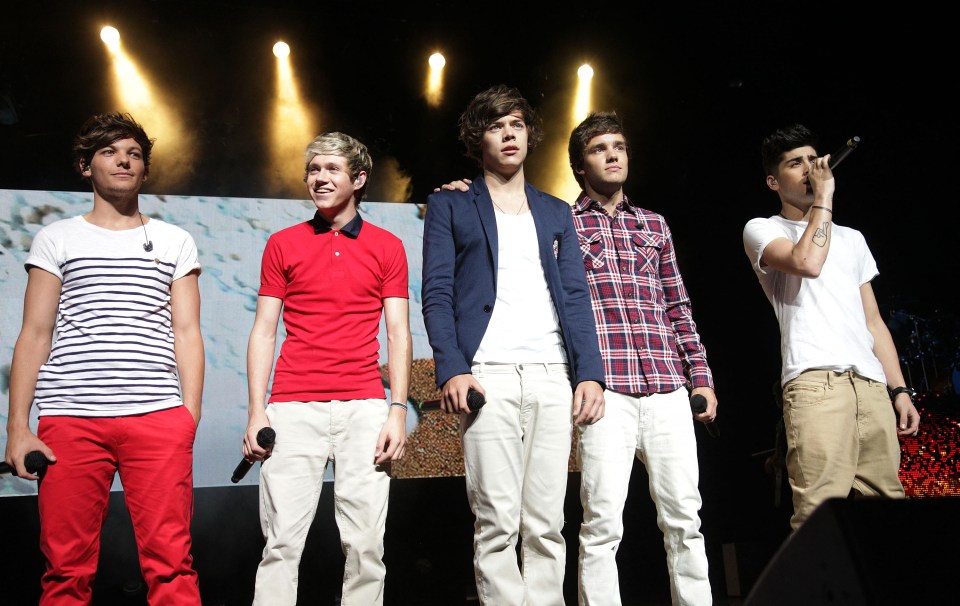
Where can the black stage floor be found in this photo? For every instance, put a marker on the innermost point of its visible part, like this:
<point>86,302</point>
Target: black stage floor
<point>429,555</point>
<point>428,550</point>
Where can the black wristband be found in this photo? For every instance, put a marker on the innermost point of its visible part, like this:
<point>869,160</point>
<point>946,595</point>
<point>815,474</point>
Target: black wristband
<point>899,390</point>
<point>399,404</point>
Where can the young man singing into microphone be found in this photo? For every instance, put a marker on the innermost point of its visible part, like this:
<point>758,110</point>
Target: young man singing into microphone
<point>841,372</point>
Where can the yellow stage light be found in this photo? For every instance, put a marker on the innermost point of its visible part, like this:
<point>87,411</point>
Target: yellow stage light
<point>281,49</point>
<point>433,88</point>
<point>135,92</point>
<point>291,128</point>
<point>110,37</point>
<point>581,106</point>
<point>557,176</point>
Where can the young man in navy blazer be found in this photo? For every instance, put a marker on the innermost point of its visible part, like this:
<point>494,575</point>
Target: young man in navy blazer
<point>507,312</point>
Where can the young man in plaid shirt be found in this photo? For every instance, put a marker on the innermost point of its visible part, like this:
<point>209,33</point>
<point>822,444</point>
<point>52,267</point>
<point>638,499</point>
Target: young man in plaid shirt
<point>653,361</point>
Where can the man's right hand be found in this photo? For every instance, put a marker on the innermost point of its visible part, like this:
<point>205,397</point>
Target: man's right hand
<point>454,393</point>
<point>461,185</point>
<point>19,443</point>
<point>252,451</point>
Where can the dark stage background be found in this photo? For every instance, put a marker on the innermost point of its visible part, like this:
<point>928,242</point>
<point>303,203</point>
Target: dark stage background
<point>698,87</point>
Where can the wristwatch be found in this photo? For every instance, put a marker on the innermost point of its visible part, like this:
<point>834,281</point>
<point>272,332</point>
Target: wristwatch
<point>899,390</point>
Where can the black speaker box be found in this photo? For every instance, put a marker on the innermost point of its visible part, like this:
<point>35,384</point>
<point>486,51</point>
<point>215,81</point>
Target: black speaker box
<point>867,551</point>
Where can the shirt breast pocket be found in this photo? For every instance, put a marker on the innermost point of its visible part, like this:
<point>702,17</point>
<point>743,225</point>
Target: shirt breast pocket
<point>591,247</point>
<point>647,246</point>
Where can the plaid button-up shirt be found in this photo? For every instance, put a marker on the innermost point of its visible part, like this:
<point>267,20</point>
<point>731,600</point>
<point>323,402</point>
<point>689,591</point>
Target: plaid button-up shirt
<point>648,339</point>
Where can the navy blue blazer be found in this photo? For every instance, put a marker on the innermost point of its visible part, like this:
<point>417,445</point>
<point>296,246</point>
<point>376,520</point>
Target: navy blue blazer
<point>460,278</point>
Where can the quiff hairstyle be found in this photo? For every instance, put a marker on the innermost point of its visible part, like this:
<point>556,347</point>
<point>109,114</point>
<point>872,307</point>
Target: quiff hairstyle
<point>780,142</point>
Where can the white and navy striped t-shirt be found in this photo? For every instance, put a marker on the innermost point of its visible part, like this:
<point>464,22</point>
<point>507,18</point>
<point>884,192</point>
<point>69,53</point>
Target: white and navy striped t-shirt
<point>113,348</point>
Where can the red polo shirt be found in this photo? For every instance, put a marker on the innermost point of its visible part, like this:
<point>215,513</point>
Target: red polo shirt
<point>332,283</point>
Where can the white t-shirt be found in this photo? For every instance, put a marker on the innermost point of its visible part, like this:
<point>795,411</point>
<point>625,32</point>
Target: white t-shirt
<point>524,327</point>
<point>113,349</point>
<point>822,322</point>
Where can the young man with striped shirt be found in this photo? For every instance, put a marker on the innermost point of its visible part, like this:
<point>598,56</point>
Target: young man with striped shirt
<point>110,351</point>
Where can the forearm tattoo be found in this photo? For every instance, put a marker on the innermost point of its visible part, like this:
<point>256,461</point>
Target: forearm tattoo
<point>822,234</point>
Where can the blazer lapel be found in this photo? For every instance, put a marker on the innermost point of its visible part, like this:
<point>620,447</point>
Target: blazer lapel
<point>545,232</point>
<point>488,219</point>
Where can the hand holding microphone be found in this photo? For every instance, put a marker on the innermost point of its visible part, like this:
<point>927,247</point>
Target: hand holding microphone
<point>475,401</point>
<point>265,439</point>
<point>35,462</point>
<point>698,404</point>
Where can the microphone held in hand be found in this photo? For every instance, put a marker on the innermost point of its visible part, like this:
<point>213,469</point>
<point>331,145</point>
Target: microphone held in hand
<point>698,404</point>
<point>838,156</point>
<point>475,402</point>
<point>265,438</point>
<point>35,462</point>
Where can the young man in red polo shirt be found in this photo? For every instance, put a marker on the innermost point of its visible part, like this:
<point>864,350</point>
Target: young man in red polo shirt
<point>333,277</point>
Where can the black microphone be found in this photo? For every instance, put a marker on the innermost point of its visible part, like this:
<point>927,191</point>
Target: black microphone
<point>35,462</point>
<point>475,402</point>
<point>698,404</point>
<point>838,156</point>
<point>265,438</point>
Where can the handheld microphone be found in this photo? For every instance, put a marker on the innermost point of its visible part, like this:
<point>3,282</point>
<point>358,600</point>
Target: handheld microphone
<point>838,156</point>
<point>475,401</point>
<point>698,404</point>
<point>35,462</point>
<point>265,438</point>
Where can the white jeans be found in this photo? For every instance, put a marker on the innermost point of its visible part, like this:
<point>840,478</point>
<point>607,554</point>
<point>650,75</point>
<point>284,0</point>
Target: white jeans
<point>657,429</point>
<point>308,435</point>
<point>516,451</point>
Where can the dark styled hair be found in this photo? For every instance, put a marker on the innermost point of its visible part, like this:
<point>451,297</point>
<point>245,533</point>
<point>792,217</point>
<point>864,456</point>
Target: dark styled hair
<point>101,130</point>
<point>781,141</point>
<point>595,124</point>
<point>491,105</point>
